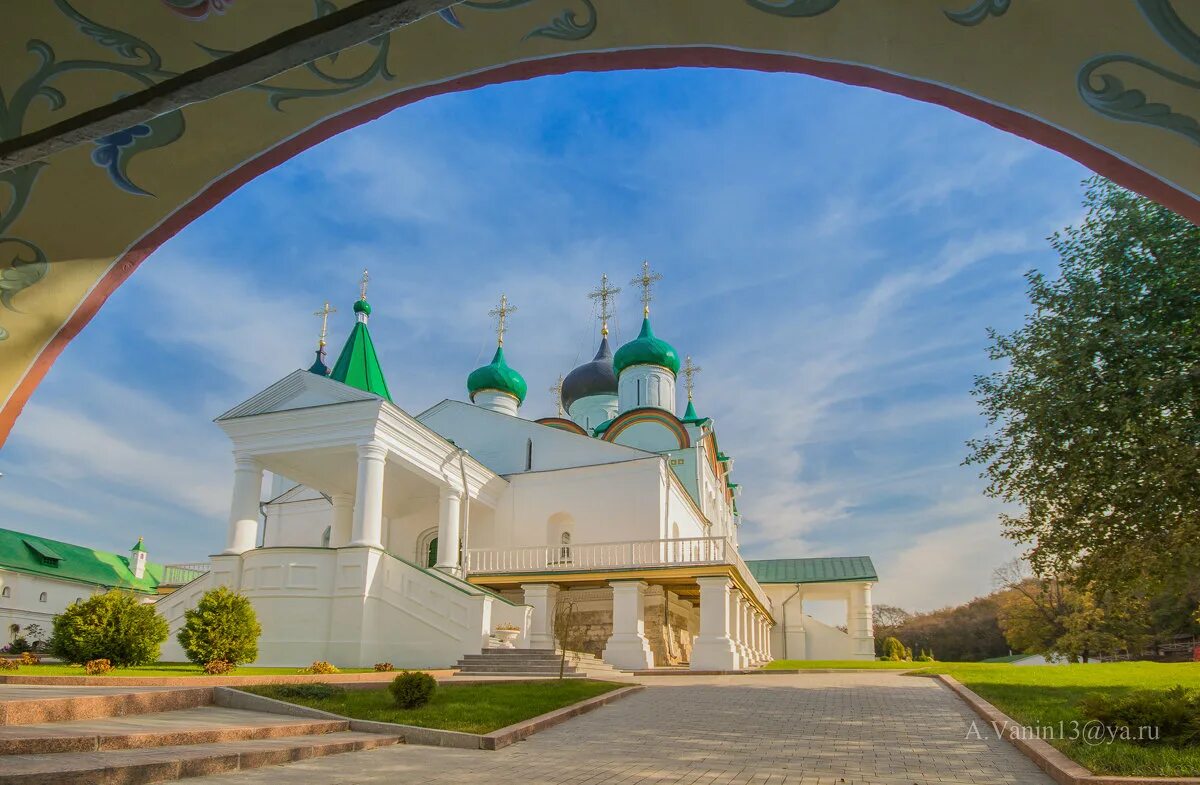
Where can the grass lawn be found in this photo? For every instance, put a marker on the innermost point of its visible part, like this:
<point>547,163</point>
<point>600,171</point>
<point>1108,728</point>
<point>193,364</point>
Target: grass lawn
<point>157,670</point>
<point>1046,695</point>
<point>803,665</point>
<point>470,708</point>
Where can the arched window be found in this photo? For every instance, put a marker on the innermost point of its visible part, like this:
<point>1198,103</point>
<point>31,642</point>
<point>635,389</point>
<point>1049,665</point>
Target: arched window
<point>42,597</point>
<point>564,552</point>
<point>7,592</point>
<point>13,629</point>
<point>426,552</point>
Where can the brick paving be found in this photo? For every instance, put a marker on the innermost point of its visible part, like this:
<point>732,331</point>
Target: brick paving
<point>805,729</point>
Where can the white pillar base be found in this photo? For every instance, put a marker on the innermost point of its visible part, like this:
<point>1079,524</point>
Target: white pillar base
<point>714,654</point>
<point>627,647</point>
<point>543,597</point>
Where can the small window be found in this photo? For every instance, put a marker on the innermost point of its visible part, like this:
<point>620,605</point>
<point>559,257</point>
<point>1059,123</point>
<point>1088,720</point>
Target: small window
<point>565,550</point>
<point>7,592</point>
<point>42,597</point>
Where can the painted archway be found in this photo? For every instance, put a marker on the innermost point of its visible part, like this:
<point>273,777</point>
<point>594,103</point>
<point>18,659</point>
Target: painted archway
<point>1114,84</point>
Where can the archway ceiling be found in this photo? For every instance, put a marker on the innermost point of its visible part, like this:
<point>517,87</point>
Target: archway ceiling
<point>1112,83</point>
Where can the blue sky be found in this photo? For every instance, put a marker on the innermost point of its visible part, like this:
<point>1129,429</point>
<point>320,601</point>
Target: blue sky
<point>831,256</point>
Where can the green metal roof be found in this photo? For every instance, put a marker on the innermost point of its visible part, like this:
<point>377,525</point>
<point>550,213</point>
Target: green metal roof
<point>837,568</point>
<point>35,555</point>
<point>358,366</point>
<point>1008,658</point>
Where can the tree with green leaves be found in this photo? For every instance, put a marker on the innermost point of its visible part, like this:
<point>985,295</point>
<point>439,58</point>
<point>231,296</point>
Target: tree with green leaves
<point>221,628</point>
<point>114,626</point>
<point>1094,416</point>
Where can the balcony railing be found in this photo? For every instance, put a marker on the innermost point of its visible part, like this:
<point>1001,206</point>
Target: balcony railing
<point>179,574</point>
<point>641,554</point>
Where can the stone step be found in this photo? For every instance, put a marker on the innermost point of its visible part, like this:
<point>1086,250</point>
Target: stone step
<point>204,725</point>
<point>160,764</point>
<point>25,705</point>
<point>525,668</point>
<point>530,674</point>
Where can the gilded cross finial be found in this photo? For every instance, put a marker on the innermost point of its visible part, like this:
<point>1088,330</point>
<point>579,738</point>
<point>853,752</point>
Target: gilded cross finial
<point>324,314</point>
<point>556,389</point>
<point>646,280</point>
<point>500,314</point>
<point>362,287</point>
<point>604,295</point>
<point>689,375</point>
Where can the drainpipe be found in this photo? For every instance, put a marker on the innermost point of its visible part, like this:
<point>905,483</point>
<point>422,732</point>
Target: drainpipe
<point>784,614</point>
<point>464,512</point>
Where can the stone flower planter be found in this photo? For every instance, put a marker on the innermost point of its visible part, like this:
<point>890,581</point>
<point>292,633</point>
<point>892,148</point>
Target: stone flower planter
<point>507,638</point>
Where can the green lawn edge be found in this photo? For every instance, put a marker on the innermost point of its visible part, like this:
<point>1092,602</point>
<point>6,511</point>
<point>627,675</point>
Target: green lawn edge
<point>160,670</point>
<point>467,708</point>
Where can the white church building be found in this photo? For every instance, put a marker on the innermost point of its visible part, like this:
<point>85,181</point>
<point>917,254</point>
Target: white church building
<point>412,539</point>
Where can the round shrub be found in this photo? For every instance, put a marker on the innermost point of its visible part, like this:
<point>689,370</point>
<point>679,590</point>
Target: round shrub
<point>116,627</point>
<point>412,689</point>
<point>218,667</point>
<point>222,627</point>
<point>384,667</point>
<point>8,665</point>
<point>894,650</point>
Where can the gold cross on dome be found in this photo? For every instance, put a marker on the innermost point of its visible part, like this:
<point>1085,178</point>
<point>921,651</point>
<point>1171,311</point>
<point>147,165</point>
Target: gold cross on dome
<point>556,389</point>
<point>646,280</point>
<point>605,295</point>
<point>500,314</point>
<point>689,375</point>
<point>324,314</point>
<point>362,287</point>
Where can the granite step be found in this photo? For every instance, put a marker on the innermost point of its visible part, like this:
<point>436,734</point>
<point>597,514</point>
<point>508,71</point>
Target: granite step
<point>161,764</point>
<point>204,725</point>
<point>27,705</point>
<point>525,667</point>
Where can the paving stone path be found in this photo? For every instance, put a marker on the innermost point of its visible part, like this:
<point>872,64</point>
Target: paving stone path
<point>806,729</point>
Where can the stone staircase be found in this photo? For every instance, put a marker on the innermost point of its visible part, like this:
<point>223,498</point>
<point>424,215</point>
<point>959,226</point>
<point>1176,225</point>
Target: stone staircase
<point>534,662</point>
<point>154,736</point>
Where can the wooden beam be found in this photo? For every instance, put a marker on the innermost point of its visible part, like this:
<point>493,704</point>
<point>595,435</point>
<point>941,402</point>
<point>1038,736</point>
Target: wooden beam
<point>350,26</point>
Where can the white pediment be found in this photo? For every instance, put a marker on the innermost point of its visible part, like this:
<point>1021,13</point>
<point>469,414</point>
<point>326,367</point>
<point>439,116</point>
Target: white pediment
<point>298,390</point>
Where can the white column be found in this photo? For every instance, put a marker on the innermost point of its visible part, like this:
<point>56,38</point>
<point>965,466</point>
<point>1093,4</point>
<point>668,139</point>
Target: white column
<point>243,509</point>
<point>343,520</point>
<point>368,496</point>
<point>713,650</point>
<point>449,521</point>
<point>755,632</point>
<point>858,622</point>
<point>543,597</point>
<point>627,647</point>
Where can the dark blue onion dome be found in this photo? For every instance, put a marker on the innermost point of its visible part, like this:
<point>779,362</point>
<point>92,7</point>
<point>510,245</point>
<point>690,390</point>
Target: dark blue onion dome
<point>592,378</point>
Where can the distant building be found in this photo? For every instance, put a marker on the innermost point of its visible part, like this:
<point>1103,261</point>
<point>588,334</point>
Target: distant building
<point>40,578</point>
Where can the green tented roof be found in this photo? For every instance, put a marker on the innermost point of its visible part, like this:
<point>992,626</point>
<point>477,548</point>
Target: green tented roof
<point>28,553</point>
<point>358,366</point>
<point>828,570</point>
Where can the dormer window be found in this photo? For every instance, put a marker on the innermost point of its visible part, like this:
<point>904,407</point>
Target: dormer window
<point>44,553</point>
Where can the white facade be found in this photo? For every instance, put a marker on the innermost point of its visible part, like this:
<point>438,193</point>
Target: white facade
<point>27,599</point>
<point>409,539</point>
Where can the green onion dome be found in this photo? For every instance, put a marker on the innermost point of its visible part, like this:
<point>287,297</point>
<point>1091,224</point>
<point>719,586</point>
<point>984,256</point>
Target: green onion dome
<point>496,375</point>
<point>362,306</point>
<point>646,350</point>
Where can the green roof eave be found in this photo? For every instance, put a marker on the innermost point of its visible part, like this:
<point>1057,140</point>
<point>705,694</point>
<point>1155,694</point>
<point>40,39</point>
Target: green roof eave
<point>358,365</point>
<point>821,570</point>
<point>602,427</point>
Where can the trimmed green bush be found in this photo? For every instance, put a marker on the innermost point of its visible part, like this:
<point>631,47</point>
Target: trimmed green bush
<point>1148,716</point>
<point>893,650</point>
<point>412,689</point>
<point>115,626</point>
<point>222,627</point>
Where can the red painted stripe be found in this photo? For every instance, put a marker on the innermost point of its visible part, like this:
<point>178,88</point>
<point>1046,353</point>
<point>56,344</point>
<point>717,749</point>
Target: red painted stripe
<point>1083,151</point>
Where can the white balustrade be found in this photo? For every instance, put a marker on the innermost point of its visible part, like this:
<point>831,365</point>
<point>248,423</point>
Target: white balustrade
<point>179,574</point>
<point>641,554</point>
